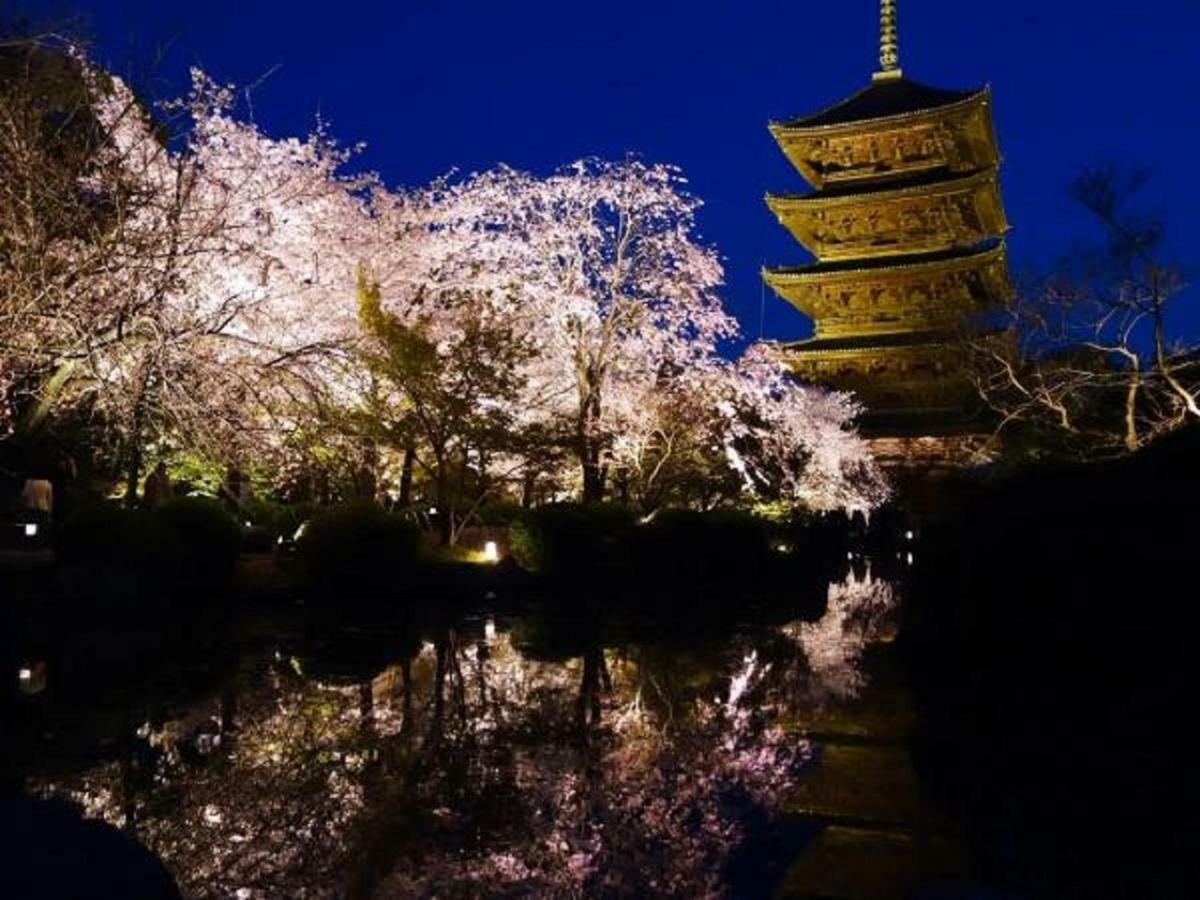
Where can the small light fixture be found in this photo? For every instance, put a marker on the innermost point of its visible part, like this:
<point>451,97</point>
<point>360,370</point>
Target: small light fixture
<point>31,529</point>
<point>910,559</point>
<point>908,535</point>
<point>31,678</point>
<point>433,510</point>
<point>249,524</point>
<point>489,629</point>
<point>850,556</point>
<point>491,553</point>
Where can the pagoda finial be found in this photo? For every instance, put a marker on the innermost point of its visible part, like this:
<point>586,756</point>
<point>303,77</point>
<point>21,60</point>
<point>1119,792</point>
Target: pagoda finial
<point>889,42</point>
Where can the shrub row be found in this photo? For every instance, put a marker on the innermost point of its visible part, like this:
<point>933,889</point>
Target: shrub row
<point>572,540</point>
<point>188,545</point>
<point>358,545</point>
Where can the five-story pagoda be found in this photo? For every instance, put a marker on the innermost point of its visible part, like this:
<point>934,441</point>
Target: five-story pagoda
<point>906,225</point>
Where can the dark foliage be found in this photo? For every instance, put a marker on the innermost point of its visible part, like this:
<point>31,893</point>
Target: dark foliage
<point>358,545</point>
<point>681,545</point>
<point>149,559</point>
<point>569,539</point>
<point>1053,646</point>
<point>500,514</point>
<point>208,541</point>
<point>127,555</point>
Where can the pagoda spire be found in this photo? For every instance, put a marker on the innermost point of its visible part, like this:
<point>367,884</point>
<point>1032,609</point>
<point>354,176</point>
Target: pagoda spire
<point>889,42</point>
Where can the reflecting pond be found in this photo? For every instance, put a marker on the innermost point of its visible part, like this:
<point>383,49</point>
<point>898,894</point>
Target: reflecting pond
<point>526,747</point>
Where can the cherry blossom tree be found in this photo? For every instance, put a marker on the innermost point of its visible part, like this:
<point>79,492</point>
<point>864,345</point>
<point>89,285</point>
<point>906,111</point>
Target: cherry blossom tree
<point>188,285</point>
<point>747,431</point>
<point>47,137</point>
<point>598,267</point>
<point>184,280</point>
<point>625,293</point>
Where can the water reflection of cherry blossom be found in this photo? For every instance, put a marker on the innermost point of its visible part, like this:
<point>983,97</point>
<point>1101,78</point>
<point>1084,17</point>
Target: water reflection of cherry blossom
<point>860,611</point>
<point>466,767</point>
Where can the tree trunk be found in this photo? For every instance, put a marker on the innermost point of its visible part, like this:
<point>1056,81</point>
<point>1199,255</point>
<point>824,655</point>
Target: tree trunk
<point>1131,393</point>
<point>445,525</point>
<point>593,477</point>
<point>1160,355</point>
<point>366,480</point>
<point>133,472</point>
<point>406,476</point>
<point>587,706</point>
<point>528,486</point>
<point>590,450</point>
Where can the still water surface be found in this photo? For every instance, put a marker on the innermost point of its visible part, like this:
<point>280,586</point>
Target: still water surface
<point>529,748</point>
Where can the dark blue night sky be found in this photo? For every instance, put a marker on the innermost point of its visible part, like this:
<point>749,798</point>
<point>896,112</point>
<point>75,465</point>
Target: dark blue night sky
<point>436,85</point>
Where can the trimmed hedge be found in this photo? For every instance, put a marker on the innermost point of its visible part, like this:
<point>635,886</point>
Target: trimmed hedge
<point>573,540</point>
<point>209,540</point>
<point>568,538</point>
<point>187,546</point>
<point>687,546</point>
<point>119,551</point>
<point>358,545</point>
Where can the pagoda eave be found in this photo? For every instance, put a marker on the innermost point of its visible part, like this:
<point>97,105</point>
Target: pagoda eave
<point>931,216</point>
<point>957,136</point>
<point>875,296</point>
<point>904,342</point>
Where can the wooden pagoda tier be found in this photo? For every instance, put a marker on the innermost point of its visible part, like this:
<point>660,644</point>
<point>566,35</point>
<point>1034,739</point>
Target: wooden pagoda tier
<point>927,214</point>
<point>902,294</point>
<point>911,382</point>
<point>906,224</point>
<point>893,128</point>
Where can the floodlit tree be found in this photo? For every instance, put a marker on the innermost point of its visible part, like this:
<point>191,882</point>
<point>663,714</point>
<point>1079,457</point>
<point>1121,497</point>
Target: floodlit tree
<point>608,277</point>
<point>1091,362</point>
<point>177,286</point>
<point>47,137</point>
<point>633,294</point>
<point>444,380</point>
<point>182,280</point>
<point>746,430</point>
<point>600,267</point>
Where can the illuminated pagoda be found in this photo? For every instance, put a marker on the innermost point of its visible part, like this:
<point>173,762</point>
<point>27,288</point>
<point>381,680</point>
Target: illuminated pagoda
<point>906,224</point>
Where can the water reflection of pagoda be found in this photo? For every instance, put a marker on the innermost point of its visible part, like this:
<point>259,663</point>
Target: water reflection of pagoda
<point>906,225</point>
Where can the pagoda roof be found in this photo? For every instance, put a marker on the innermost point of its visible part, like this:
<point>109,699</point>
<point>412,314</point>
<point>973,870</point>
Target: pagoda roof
<point>908,184</point>
<point>945,213</point>
<point>868,341</point>
<point>984,252</point>
<point>883,99</point>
